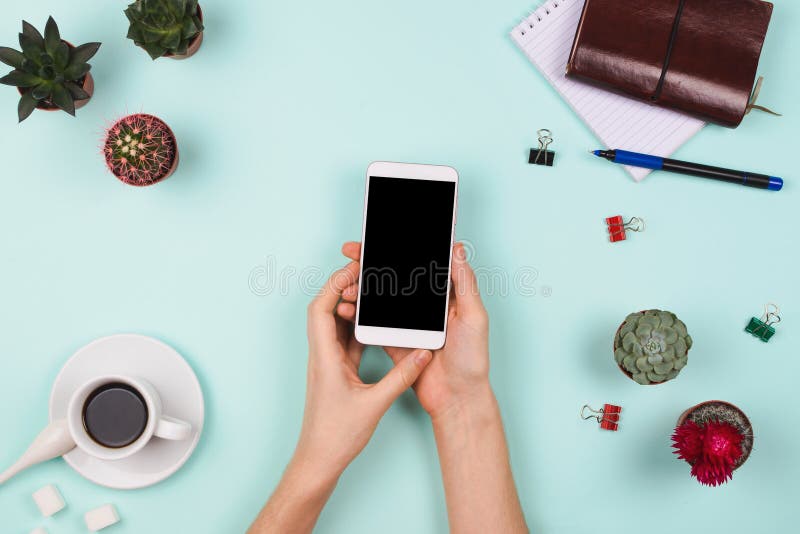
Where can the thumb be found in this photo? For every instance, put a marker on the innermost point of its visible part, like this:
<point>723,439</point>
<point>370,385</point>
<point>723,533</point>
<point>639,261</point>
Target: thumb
<point>402,376</point>
<point>465,284</point>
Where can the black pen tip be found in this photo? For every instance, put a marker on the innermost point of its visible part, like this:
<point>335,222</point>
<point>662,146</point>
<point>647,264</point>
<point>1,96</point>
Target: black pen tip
<point>607,154</point>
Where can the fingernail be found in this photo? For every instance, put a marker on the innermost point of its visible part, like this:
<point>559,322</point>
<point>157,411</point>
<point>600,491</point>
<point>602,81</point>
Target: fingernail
<point>461,252</point>
<point>423,357</point>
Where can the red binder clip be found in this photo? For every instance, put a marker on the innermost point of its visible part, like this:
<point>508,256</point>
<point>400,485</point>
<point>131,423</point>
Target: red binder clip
<point>608,417</point>
<point>617,227</point>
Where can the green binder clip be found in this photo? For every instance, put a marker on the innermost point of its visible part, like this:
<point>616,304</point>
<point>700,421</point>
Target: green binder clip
<point>763,328</point>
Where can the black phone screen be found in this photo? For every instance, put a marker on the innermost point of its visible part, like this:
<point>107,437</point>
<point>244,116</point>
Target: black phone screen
<point>406,253</point>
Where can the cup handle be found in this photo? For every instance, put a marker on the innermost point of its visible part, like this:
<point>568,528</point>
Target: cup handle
<point>172,429</point>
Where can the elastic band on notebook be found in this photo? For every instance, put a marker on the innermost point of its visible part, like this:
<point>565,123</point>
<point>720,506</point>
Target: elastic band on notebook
<point>672,37</point>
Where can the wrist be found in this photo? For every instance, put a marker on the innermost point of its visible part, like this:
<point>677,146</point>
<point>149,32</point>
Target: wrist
<point>297,501</point>
<point>468,408</point>
<point>310,476</point>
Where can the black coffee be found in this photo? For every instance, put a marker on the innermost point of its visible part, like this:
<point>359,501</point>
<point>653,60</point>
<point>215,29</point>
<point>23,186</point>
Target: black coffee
<point>115,415</point>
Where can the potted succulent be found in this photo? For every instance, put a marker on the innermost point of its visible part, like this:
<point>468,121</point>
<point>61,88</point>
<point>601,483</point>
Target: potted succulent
<point>651,347</point>
<point>168,28</point>
<point>49,73</point>
<point>715,438</point>
<point>140,150</point>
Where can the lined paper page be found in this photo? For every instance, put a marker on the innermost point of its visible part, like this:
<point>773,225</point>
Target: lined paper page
<point>618,121</point>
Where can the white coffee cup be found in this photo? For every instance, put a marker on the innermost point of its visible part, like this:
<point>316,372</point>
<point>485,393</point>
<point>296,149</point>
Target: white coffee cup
<point>63,435</point>
<point>158,424</point>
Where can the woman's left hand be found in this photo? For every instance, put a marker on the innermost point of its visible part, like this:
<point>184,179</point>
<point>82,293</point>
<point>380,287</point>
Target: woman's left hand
<point>341,411</point>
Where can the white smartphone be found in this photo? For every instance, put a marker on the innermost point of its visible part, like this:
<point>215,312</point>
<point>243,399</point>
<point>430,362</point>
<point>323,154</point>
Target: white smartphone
<point>407,247</point>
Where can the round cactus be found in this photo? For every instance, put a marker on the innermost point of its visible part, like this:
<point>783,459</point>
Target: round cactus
<point>140,149</point>
<point>652,346</point>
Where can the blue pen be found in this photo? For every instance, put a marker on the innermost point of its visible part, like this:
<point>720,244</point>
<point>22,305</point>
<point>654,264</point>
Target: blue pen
<point>750,179</point>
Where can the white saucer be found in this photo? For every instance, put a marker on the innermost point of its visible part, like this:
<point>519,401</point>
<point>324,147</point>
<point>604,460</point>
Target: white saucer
<point>177,385</point>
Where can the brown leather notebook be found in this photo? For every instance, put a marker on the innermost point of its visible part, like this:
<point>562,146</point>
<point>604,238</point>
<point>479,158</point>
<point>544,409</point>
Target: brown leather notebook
<point>697,56</point>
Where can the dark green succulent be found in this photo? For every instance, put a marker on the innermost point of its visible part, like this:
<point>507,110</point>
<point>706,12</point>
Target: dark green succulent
<point>48,71</point>
<point>163,26</point>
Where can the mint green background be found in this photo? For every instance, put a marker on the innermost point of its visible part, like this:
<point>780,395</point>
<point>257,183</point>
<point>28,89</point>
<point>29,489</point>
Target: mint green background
<point>277,118</point>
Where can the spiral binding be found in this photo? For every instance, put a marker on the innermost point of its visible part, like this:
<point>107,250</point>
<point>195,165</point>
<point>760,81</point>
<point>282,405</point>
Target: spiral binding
<point>540,12</point>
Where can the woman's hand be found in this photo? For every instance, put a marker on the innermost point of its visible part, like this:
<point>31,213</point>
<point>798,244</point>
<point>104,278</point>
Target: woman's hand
<point>455,391</point>
<point>341,411</point>
<point>459,372</point>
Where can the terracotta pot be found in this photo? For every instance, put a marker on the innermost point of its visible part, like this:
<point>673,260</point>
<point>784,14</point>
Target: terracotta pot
<point>194,44</point>
<point>46,105</point>
<point>746,427</point>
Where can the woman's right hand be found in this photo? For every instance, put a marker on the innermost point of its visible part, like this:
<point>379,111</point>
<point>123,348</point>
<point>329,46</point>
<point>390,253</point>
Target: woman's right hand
<point>454,389</point>
<point>459,371</point>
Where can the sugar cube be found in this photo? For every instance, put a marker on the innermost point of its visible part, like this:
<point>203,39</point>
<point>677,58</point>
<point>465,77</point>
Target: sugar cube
<point>101,517</point>
<point>39,530</point>
<point>49,500</point>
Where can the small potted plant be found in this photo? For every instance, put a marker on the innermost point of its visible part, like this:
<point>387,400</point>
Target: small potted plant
<point>49,73</point>
<point>715,438</point>
<point>166,28</point>
<point>651,347</point>
<point>140,150</point>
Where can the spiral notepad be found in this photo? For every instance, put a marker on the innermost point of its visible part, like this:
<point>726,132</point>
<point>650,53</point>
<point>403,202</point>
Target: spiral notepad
<point>618,121</point>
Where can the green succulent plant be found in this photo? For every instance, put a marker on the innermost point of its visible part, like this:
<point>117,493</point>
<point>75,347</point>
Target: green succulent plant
<point>163,26</point>
<point>48,70</point>
<point>652,346</point>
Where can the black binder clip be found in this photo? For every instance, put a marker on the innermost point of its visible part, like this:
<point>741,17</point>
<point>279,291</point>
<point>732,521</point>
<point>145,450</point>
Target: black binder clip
<point>542,156</point>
